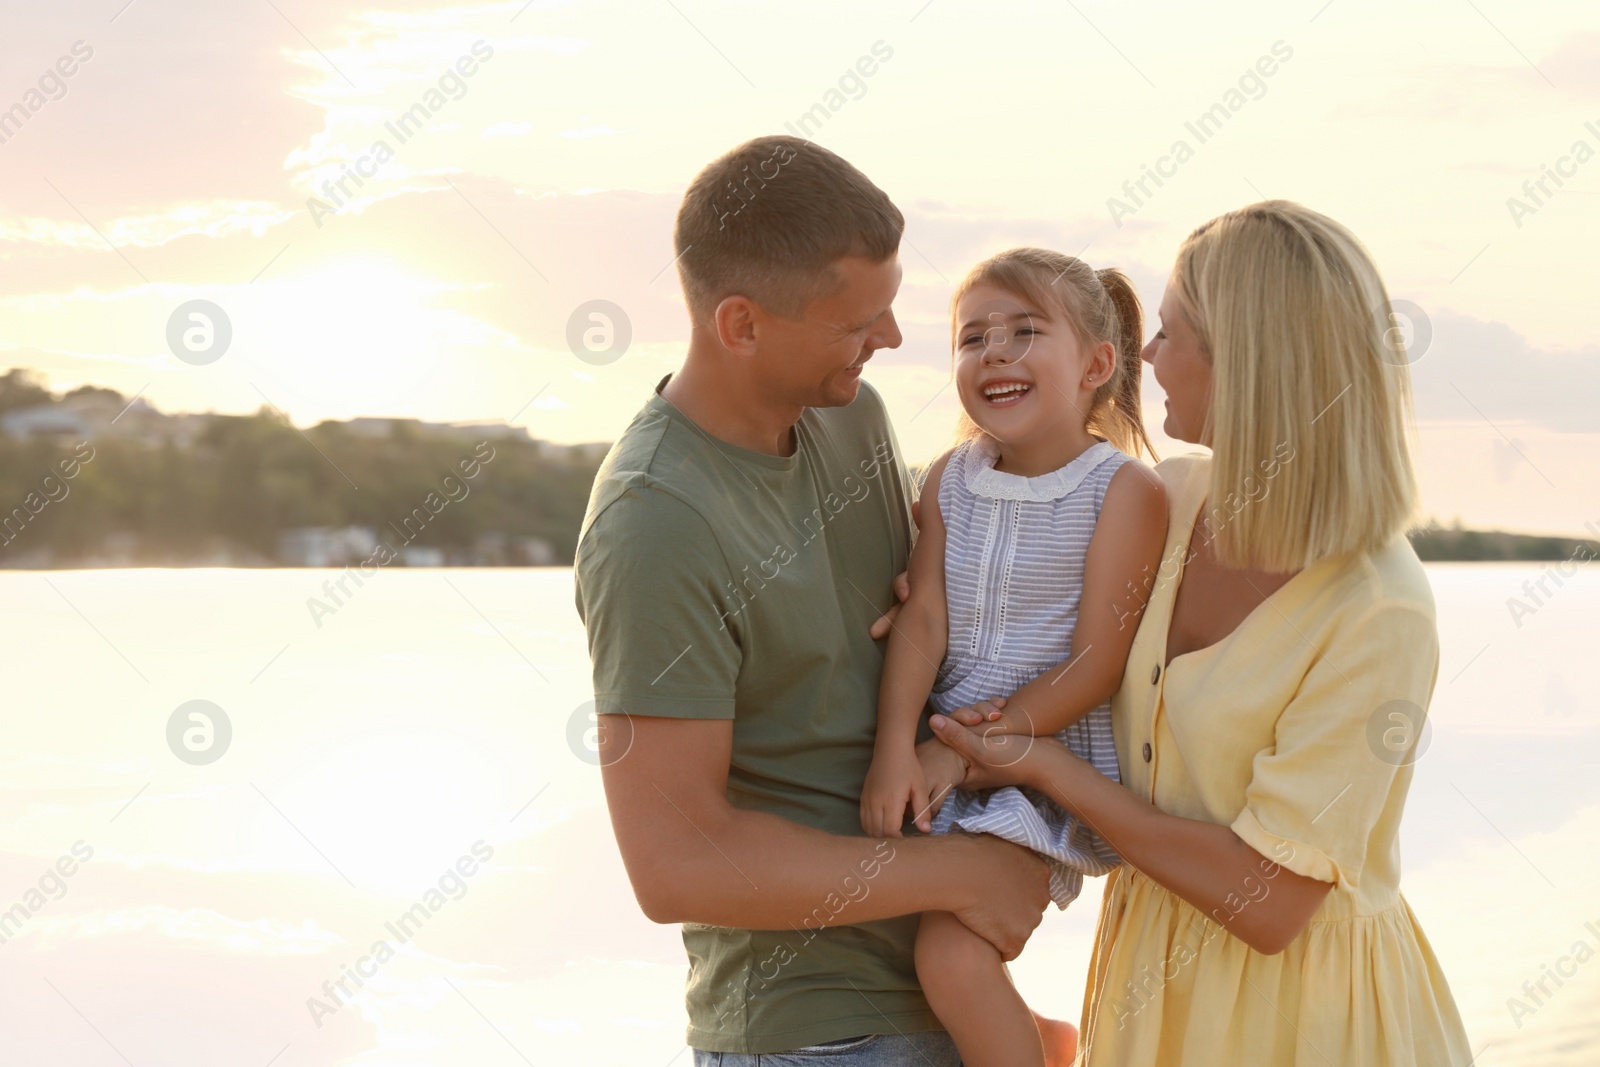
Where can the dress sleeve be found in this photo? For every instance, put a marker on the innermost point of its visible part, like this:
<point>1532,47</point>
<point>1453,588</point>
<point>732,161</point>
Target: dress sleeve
<point>652,591</point>
<point>1339,768</point>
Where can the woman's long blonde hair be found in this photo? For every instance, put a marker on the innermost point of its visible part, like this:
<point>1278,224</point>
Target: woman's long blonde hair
<point>1100,306</point>
<point>1294,317</point>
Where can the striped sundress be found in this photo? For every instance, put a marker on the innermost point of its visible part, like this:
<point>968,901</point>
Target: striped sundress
<point>1013,570</point>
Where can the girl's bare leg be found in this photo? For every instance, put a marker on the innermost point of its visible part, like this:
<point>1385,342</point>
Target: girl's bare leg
<point>1060,1041</point>
<point>967,986</point>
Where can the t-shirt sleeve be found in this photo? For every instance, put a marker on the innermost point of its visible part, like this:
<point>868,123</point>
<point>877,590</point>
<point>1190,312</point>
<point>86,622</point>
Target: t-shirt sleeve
<point>651,589</point>
<point>1334,773</point>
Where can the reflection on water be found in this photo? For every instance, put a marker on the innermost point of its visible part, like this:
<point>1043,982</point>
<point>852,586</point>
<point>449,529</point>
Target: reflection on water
<point>439,716</point>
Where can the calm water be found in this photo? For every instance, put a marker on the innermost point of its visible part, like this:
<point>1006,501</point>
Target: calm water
<point>420,746</point>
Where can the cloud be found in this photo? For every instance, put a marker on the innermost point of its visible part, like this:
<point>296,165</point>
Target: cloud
<point>506,129</point>
<point>256,937</point>
<point>1474,369</point>
<point>1574,64</point>
<point>219,218</point>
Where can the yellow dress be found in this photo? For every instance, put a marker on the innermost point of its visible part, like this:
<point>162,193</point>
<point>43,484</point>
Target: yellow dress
<point>1294,731</point>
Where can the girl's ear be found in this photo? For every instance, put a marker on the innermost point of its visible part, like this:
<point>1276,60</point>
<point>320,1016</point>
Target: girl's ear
<point>1102,362</point>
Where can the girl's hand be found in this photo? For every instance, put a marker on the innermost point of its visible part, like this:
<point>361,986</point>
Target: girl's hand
<point>981,712</point>
<point>943,770</point>
<point>894,783</point>
<point>994,758</point>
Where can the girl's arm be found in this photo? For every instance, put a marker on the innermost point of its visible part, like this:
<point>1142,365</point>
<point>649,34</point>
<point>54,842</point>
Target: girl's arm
<point>916,648</point>
<point>1118,573</point>
<point>1249,894</point>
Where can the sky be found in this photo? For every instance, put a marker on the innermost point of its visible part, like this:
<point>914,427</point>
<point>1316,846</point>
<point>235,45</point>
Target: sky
<point>192,151</point>
<point>178,162</point>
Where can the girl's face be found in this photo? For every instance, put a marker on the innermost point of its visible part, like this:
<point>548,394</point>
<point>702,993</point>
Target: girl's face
<point>1183,370</point>
<point>1022,372</point>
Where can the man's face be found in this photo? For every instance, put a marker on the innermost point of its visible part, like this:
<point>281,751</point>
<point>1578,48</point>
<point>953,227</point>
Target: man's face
<point>816,360</point>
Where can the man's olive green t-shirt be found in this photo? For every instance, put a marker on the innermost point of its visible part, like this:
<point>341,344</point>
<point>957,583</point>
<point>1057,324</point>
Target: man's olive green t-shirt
<point>718,582</point>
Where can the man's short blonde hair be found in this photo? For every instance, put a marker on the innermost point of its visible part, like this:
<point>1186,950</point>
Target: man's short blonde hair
<point>1310,423</point>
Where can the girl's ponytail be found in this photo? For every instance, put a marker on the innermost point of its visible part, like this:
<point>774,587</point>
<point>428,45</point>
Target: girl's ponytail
<point>1117,402</point>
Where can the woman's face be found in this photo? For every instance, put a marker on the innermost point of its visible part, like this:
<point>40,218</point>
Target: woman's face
<point>1183,370</point>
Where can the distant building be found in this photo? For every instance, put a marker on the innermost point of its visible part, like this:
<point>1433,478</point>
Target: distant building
<point>495,549</point>
<point>47,420</point>
<point>371,426</point>
<point>533,552</point>
<point>325,546</point>
<point>422,556</point>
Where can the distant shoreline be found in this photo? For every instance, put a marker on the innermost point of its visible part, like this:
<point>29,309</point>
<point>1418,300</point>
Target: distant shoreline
<point>1438,544</point>
<point>94,480</point>
<point>1433,544</point>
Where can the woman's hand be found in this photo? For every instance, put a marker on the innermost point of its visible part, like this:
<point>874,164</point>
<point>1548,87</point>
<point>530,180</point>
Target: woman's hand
<point>995,758</point>
<point>894,784</point>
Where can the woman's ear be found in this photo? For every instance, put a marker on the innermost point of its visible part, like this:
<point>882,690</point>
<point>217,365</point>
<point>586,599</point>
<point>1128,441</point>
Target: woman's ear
<point>735,322</point>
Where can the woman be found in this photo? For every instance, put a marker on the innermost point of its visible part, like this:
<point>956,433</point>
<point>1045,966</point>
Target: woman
<point>1281,669</point>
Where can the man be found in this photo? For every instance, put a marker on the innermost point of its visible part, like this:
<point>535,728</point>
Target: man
<point>742,536</point>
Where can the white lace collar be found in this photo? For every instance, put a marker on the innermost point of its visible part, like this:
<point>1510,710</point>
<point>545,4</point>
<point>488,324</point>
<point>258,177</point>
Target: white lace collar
<point>983,480</point>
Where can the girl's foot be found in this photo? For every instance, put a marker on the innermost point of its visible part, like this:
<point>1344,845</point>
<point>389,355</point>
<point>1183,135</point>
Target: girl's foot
<point>1060,1041</point>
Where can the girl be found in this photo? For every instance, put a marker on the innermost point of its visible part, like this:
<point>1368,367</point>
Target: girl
<point>1038,529</point>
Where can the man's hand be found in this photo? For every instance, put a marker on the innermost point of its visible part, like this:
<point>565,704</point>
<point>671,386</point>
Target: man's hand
<point>902,587</point>
<point>885,622</point>
<point>894,783</point>
<point>1013,889</point>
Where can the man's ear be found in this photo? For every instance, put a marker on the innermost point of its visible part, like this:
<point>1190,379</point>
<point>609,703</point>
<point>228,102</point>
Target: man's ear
<point>735,322</point>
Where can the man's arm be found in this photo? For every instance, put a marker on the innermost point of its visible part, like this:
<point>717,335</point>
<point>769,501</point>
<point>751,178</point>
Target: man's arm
<point>693,857</point>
